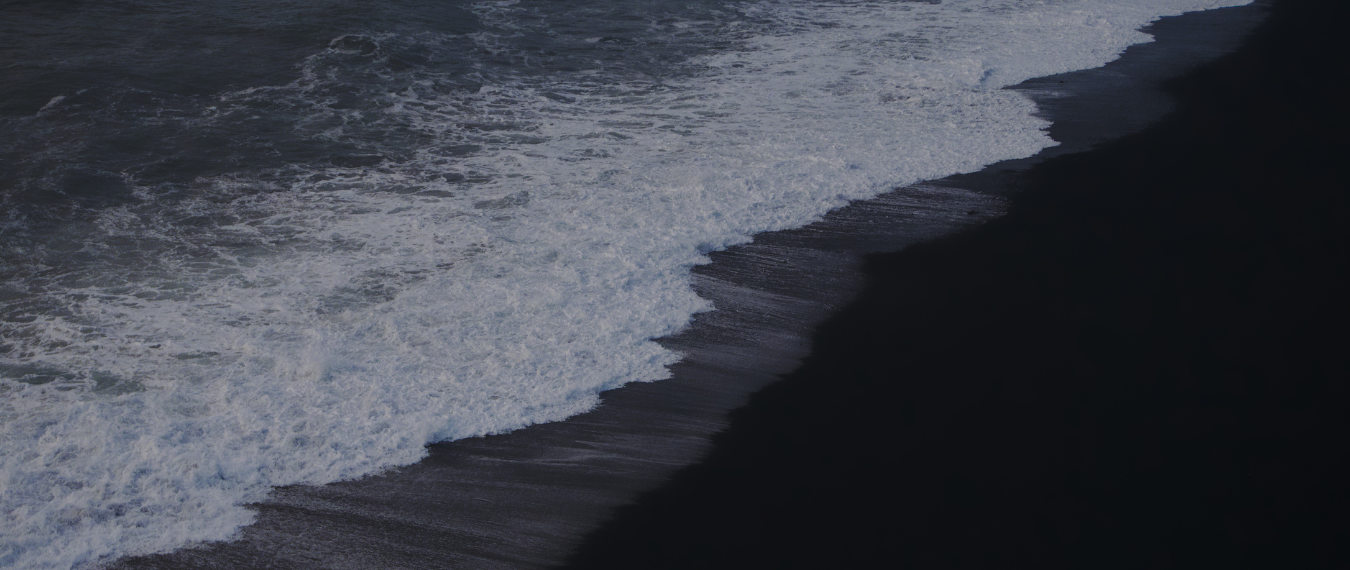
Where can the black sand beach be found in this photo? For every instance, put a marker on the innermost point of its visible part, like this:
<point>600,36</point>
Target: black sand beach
<point>1129,369</point>
<point>1141,366</point>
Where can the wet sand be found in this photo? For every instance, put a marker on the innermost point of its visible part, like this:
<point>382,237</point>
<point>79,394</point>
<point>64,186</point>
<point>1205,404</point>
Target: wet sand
<point>1142,365</point>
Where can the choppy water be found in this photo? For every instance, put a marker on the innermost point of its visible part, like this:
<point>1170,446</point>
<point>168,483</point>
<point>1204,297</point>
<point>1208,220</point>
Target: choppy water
<point>250,244</point>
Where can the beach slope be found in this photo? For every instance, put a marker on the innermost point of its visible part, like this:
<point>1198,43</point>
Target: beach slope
<point>1142,365</point>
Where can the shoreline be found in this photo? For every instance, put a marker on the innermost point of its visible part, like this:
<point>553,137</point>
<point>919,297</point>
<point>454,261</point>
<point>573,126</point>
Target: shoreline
<point>1141,365</point>
<point>526,498</point>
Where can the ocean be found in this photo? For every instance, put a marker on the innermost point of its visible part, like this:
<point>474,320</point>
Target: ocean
<point>257,244</point>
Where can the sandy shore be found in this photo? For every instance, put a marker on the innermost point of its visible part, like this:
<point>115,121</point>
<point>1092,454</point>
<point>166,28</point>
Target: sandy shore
<point>1141,366</point>
<point>797,467</point>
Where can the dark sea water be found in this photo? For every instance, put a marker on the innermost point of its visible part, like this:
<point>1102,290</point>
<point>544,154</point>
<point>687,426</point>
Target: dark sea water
<point>253,244</point>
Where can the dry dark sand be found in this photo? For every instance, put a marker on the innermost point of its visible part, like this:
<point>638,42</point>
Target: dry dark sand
<point>1103,376</point>
<point>1143,365</point>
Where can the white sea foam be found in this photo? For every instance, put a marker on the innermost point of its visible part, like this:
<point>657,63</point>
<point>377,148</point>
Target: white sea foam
<point>333,325</point>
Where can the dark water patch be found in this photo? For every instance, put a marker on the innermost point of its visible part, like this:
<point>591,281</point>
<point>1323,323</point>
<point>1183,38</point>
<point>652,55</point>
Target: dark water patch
<point>357,160</point>
<point>35,375</point>
<point>512,201</point>
<point>461,149</point>
<point>90,189</point>
<point>107,384</point>
<point>355,44</point>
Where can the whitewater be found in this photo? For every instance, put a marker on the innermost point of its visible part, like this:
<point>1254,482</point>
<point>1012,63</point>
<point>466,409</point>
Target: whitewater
<point>447,231</point>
